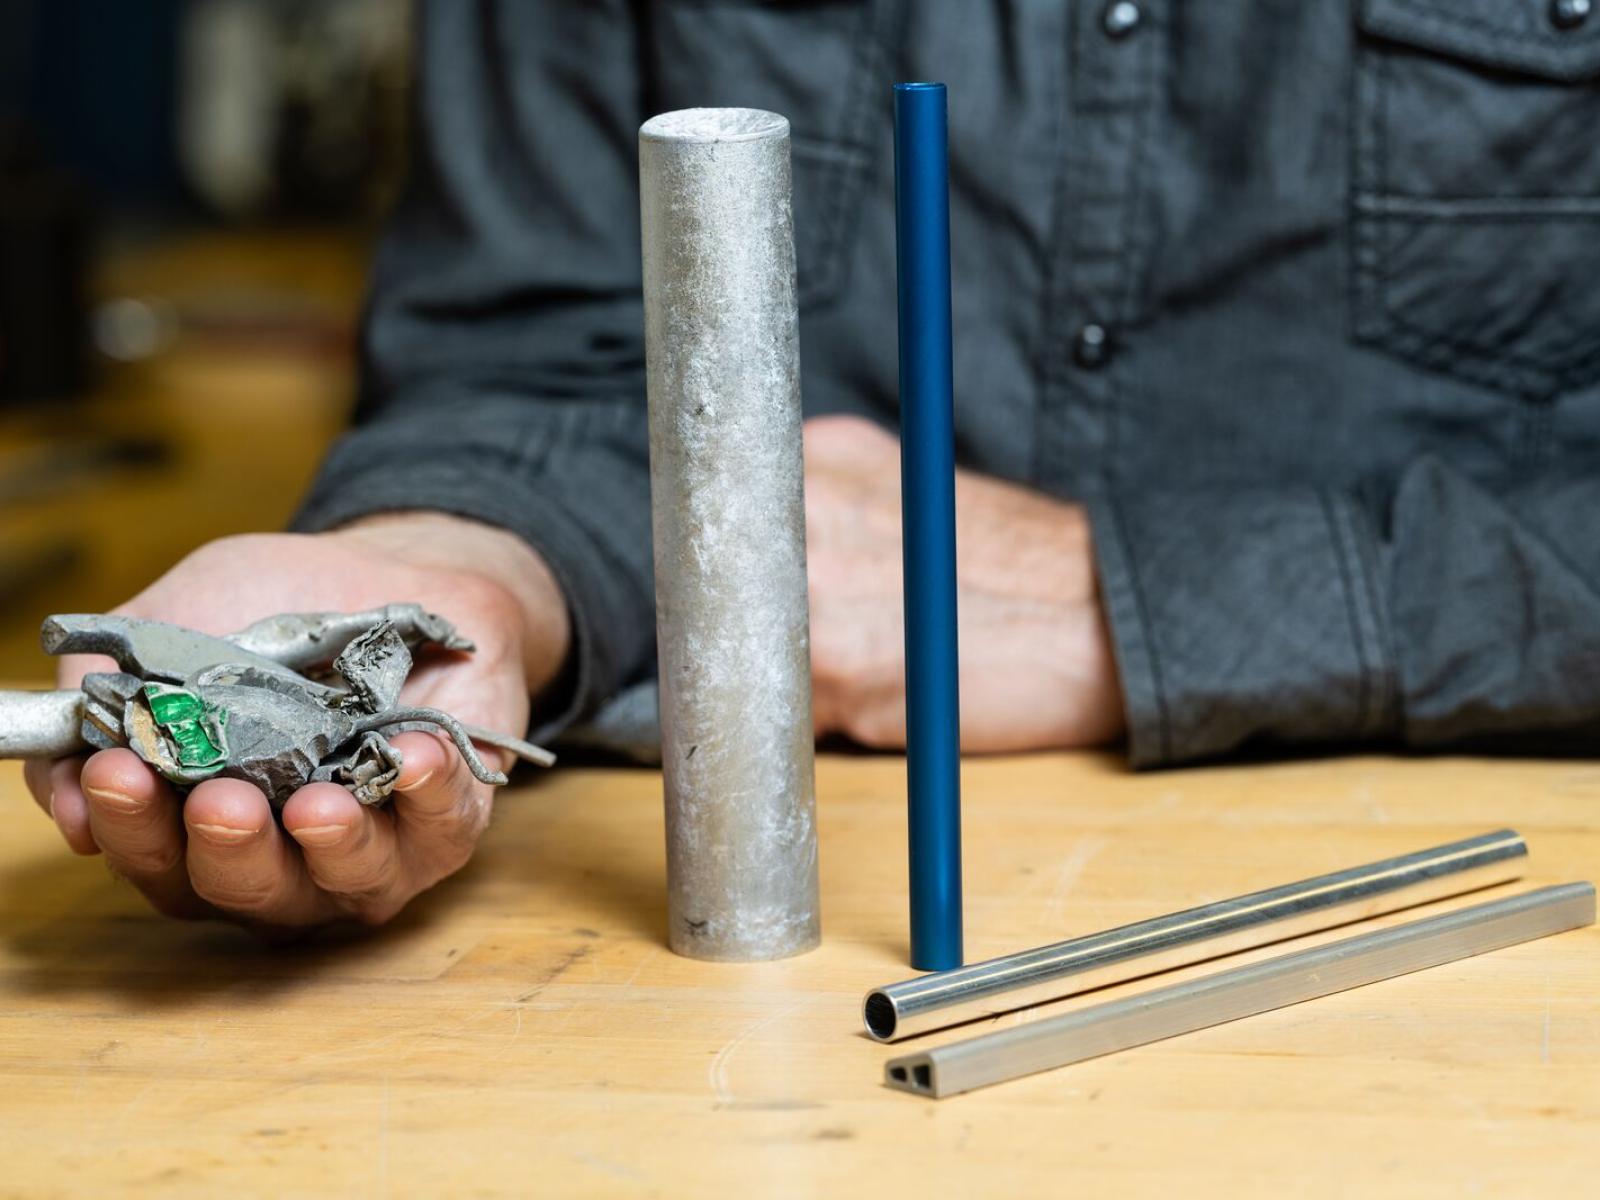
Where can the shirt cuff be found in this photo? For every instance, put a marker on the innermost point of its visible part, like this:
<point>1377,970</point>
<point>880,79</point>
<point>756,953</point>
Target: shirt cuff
<point>1241,616</point>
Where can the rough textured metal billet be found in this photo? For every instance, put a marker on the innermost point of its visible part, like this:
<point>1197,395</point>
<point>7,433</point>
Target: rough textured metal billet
<point>1047,973</point>
<point>1241,992</point>
<point>294,699</point>
<point>722,343</point>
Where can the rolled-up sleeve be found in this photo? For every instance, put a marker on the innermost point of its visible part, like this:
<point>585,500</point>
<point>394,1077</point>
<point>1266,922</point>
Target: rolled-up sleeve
<point>1449,613</point>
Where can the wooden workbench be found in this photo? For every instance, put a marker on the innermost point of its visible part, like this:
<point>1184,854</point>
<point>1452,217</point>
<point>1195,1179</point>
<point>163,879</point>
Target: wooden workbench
<point>524,1030</point>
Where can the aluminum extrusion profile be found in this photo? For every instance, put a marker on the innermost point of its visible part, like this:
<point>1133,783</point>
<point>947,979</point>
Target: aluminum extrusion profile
<point>1241,992</point>
<point>1052,972</point>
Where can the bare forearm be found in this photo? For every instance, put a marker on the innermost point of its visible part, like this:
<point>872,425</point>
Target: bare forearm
<point>1039,670</point>
<point>1036,664</point>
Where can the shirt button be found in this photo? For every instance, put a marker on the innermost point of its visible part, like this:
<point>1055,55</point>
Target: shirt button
<point>1569,14</point>
<point>1122,17</point>
<point>1091,349</point>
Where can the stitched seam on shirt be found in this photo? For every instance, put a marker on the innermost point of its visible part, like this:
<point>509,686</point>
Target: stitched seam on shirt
<point>1506,368</point>
<point>1384,77</point>
<point>1387,701</point>
<point>1361,249</point>
<point>1404,206</point>
<point>1357,640</point>
<point>1368,237</point>
<point>1554,46</point>
<point>1049,375</point>
<point>1134,248</point>
<point>1517,363</point>
<point>1369,76</point>
<point>1108,301</point>
<point>1506,218</point>
<point>1533,448</point>
<point>1129,561</point>
<point>1389,319</point>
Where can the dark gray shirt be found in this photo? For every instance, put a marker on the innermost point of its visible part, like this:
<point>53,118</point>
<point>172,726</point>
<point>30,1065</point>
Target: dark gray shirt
<point>1301,299</point>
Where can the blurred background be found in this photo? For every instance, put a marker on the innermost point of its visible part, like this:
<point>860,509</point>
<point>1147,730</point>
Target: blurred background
<point>188,194</point>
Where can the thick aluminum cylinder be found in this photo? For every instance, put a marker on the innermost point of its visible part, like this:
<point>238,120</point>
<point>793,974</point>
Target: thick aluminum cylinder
<point>928,520</point>
<point>1162,943</point>
<point>728,508</point>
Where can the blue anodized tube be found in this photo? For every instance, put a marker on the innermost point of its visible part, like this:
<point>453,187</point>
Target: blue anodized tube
<point>927,497</point>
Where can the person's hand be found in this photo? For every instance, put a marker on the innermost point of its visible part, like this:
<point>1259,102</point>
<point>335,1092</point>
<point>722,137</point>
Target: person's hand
<point>1036,662</point>
<point>220,852</point>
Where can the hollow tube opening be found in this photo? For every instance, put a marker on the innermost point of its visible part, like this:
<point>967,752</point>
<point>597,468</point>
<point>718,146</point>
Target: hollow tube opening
<point>879,1014</point>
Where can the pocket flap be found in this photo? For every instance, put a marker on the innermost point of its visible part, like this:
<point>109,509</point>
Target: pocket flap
<point>1509,35</point>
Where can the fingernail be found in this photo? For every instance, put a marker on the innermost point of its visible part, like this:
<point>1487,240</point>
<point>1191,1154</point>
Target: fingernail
<point>112,799</point>
<point>417,782</point>
<point>226,835</point>
<point>320,835</point>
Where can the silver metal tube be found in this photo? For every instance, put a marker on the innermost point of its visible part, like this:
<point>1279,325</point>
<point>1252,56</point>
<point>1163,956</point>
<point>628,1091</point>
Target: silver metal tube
<point>728,508</point>
<point>1241,992</point>
<point>1051,972</point>
<point>41,724</point>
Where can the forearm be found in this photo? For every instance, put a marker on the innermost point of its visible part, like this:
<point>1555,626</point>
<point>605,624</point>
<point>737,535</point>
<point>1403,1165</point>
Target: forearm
<point>1036,668</point>
<point>1041,670</point>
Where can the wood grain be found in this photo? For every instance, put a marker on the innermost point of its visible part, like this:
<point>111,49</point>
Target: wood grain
<point>524,1031</point>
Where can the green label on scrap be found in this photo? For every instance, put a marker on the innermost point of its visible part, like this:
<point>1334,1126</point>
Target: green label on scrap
<point>195,728</point>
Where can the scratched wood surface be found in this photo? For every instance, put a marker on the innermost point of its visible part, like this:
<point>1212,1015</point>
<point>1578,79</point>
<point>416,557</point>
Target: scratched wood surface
<point>524,1031</point>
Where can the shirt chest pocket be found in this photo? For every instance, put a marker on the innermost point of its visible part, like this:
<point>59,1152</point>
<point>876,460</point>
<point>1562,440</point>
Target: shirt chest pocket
<point>817,62</point>
<point>1476,189</point>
